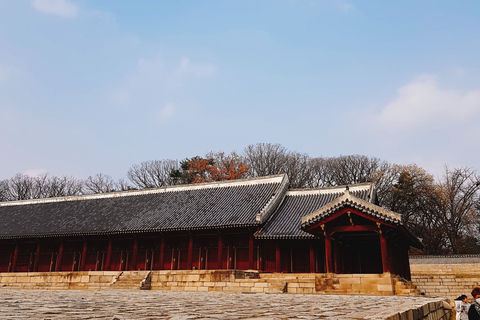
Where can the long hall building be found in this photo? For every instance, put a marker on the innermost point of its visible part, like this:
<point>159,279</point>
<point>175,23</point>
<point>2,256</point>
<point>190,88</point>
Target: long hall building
<point>252,224</point>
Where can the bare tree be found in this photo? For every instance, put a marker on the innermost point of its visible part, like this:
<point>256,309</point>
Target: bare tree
<point>153,174</point>
<point>458,206</point>
<point>265,159</point>
<point>20,187</point>
<point>299,170</point>
<point>100,183</point>
<point>4,190</point>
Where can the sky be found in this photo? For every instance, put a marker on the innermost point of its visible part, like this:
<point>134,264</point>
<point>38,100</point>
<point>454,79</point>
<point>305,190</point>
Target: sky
<point>90,87</point>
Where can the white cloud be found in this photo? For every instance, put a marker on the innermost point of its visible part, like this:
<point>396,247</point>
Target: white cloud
<point>165,113</point>
<point>346,6</point>
<point>120,97</point>
<point>5,75</point>
<point>35,172</point>
<point>188,68</point>
<point>422,102</point>
<point>62,8</point>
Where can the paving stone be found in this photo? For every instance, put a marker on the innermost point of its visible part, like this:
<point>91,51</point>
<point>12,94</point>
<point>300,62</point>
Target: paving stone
<point>175,305</point>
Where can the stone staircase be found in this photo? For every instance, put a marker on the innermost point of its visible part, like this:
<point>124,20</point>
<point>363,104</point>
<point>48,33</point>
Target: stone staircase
<point>403,287</point>
<point>132,280</point>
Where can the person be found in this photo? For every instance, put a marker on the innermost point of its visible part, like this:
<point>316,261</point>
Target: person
<point>461,307</point>
<point>474,311</point>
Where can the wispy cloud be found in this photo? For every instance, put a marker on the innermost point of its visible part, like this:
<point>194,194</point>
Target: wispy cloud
<point>62,8</point>
<point>346,6</point>
<point>165,113</point>
<point>35,172</point>
<point>190,69</point>
<point>5,75</point>
<point>422,102</point>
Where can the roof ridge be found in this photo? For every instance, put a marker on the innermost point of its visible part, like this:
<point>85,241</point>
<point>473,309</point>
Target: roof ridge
<point>179,188</point>
<point>329,190</point>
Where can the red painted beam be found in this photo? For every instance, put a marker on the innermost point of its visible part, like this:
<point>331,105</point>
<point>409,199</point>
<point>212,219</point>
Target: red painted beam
<point>278,261</point>
<point>84,256</point>
<point>59,257</point>
<point>133,263</point>
<point>220,251</point>
<point>312,258</point>
<point>328,254</point>
<point>250,251</point>
<point>37,257</point>
<point>15,257</point>
<point>383,246</point>
<point>190,252</point>
<point>109,255</point>
<point>353,228</point>
<point>162,253</point>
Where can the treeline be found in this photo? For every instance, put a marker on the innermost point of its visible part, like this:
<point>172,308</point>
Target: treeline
<point>443,212</point>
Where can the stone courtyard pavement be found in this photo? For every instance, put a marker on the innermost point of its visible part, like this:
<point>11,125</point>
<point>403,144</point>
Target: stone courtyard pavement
<point>131,304</point>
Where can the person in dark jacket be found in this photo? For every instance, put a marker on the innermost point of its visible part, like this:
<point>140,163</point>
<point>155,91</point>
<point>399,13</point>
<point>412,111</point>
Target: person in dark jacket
<point>474,311</point>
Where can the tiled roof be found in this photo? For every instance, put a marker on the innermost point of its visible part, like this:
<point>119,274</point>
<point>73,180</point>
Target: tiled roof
<point>286,222</point>
<point>237,203</point>
<point>349,199</point>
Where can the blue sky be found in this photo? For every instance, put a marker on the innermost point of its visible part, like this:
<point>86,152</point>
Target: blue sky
<point>97,86</point>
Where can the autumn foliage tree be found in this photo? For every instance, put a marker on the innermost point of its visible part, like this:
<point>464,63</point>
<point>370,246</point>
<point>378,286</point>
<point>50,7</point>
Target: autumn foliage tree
<point>217,167</point>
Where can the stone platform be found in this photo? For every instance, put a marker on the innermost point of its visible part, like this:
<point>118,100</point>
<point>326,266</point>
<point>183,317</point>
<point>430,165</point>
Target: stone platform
<point>140,304</point>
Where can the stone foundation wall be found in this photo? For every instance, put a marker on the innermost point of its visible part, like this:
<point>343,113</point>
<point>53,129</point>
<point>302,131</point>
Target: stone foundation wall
<point>209,280</point>
<point>445,277</point>
<point>58,280</point>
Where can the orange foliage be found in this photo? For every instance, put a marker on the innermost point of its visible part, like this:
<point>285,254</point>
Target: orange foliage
<point>203,170</point>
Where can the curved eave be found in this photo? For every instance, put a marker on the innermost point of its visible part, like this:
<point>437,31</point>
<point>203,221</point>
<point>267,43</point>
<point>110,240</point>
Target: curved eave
<point>349,200</point>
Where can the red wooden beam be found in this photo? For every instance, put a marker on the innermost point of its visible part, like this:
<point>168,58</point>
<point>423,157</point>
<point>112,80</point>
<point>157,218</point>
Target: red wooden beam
<point>37,257</point>
<point>220,251</point>
<point>250,251</point>
<point>190,252</point>
<point>328,254</point>
<point>162,253</point>
<point>15,257</point>
<point>133,263</point>
<point>278,261</point>
<point>109,255</point>
<point>59,257</point>
<point>385,258</point>
<point>84,256</point>
<point>312,258</point>
<point>353,228</point>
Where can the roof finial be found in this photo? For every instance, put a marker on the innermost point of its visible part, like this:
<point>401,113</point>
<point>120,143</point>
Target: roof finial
<point>347,190</point>
<point>346,187</point>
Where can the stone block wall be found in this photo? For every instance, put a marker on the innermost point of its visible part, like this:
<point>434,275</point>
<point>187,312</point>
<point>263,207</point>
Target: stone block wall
<point>254,282</point>
<point>58,280</point>
<point>446,279</point>
<point>438,310</point>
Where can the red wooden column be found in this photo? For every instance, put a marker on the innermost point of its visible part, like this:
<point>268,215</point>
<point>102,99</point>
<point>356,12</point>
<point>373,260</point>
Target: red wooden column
<point>133,262</point>
<point>59,257</point>
<point>383,246</point>
<point>278,260</point>
<point>15,257</point>
<point>162,253</point>
<point>250,251</point>
<point>84,256</point>
<point>109,255</point>
<point>328,254</point>
<point>190,252</point>
<point>312,258</point>
<point>220,251</point>
<point>37,257</point>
